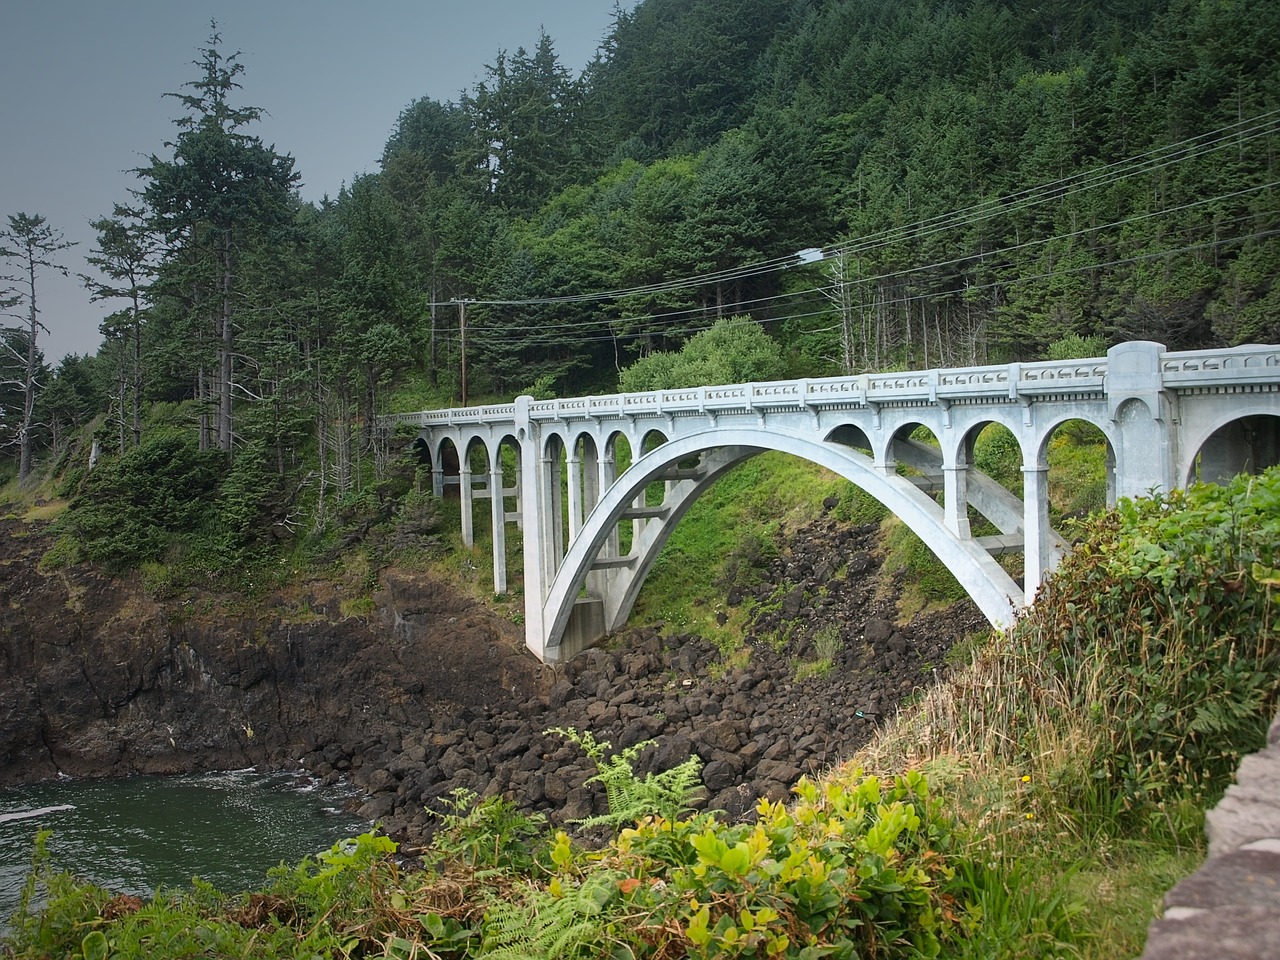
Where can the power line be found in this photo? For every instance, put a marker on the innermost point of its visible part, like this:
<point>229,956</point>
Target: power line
<point>1235,134</point>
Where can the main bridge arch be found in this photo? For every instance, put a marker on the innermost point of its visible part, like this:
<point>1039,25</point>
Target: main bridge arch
<point>996,594</point>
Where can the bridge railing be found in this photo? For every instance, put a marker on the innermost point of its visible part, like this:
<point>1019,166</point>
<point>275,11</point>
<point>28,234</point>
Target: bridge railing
<point>1006,382</point>
<point>1194,367</point>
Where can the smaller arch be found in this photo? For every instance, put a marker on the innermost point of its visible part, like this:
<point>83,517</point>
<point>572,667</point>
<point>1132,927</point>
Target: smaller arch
<point>557,437</point>
<point>421,451</point>
<point>1243,444</point>
<point>651,439</point>
<point>851,436</point>
<point>445,478</point>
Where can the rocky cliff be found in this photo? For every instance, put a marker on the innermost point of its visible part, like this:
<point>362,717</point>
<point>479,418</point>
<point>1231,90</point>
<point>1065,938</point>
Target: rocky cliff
<point>434,691</point>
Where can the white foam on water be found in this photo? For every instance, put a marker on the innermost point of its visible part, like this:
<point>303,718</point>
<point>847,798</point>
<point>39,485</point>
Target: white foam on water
<point>31,814</point>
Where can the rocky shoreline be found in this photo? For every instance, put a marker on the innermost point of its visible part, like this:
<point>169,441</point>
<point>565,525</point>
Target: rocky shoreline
<point>434,692</point>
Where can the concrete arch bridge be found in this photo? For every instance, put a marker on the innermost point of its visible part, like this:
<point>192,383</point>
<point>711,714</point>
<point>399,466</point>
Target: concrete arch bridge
<point>1168,418</point>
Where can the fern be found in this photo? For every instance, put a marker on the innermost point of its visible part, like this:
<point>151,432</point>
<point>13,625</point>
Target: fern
<point>542,924</point>
<point>666,794</point>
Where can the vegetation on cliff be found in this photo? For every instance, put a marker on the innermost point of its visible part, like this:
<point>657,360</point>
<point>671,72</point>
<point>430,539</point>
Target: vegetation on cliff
<point>1083,743</point>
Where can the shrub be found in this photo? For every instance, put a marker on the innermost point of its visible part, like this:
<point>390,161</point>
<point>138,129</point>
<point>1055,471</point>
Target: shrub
<point>735,350</point>
<point>133,506</point>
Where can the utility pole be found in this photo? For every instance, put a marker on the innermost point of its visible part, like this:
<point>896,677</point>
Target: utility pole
<point>462,334</point>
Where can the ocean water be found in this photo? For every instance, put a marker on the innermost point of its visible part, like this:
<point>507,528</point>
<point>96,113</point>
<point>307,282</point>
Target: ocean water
<point>137,834</point>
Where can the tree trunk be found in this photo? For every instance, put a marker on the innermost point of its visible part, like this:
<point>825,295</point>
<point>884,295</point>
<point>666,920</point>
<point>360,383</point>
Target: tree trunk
<point>225,347</point>
<point>136,351</point>
<point>29,381</point>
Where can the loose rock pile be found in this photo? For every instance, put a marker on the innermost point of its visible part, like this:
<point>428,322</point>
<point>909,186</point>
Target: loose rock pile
<point>435,691</point>
<point>755,727</point>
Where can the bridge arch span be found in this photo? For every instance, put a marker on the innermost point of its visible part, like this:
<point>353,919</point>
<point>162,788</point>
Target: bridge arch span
<point>1245,439</point>
<point>1038,455</point>
<point>991,587</point>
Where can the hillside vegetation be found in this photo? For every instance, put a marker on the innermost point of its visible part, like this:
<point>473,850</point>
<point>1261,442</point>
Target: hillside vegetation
<point>1088,737</point>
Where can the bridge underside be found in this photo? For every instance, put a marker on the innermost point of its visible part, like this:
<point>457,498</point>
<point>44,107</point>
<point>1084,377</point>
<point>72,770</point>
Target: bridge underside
<point>593,590</point>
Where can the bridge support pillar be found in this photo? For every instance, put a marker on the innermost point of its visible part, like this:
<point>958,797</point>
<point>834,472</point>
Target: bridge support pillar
<point>1037,537</point>
<point>533,513</point>
<point>555,484</point>
<point>608,474</point>
<point>1144,411</point>
<point>575,495</point>
<point>585,627</point>
<point>498,513</point>
<point>466,496</point>
<point>955,506</point>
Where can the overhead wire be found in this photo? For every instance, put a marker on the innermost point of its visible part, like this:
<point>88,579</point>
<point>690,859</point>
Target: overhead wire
<point>537,336</point>
<point>548,331</point>
<point>1236,134</point>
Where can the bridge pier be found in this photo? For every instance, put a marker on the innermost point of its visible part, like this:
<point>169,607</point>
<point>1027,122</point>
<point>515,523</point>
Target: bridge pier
<point>1036,542</point>
<point>498,518</point>
<point>466,497</point>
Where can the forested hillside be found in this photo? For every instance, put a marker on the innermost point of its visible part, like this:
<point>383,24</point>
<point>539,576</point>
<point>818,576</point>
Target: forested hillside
<point>876,185</point>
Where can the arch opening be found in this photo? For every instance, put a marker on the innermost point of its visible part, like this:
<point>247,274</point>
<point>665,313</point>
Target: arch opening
<point>1081,465</point>
<point>1248,444</point>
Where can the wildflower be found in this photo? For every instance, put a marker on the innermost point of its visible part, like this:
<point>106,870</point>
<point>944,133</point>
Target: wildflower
<point>1026,778</point>
<point>1031,816</point>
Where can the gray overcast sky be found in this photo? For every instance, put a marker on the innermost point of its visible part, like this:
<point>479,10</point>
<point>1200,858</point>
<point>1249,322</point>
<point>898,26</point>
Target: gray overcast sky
<point>82,100</point>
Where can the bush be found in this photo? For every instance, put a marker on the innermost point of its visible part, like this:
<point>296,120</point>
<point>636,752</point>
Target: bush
<point>735,350</point>
<point>132,507</point>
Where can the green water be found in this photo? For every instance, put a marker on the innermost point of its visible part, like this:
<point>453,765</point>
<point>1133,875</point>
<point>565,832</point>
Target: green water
<point>137,834</point>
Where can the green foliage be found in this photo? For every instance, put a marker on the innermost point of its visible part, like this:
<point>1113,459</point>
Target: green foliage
<point>859,507</point>
<point>134,506</point>
<point>1145,670</point>
<point>1181,594</point>
<point>734,350</point>
<point>908,555</point>
<point>667,793</point>
<point>1073,347</point>
<point>857,868</point>
<point>65,552</point>
<point>1077,469</point>
<point>489,833</point>
<point>739,518</point>
<point>997,453</point>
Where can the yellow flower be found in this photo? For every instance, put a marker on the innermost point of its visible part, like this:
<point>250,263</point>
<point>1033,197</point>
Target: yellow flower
<point>1026,778</point>
<point>1031,816</point>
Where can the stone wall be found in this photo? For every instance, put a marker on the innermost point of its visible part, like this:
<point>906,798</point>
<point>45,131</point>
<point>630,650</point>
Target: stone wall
<point>1229,909</point>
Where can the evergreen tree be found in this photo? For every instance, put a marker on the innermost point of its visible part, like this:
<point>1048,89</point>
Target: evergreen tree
<point>219,188</point>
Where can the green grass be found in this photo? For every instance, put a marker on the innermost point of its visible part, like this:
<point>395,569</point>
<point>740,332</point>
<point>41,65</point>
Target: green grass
<point>739,516</point>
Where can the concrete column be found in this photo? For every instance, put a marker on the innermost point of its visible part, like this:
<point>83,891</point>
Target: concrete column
<point>1110,462</point>
<point>536,578</point>
<point>955,505</point>
<point>465,498</point>
<point>608,475</point>
<point>575,496</point>
<point>1037,537</point>
<point>640,502</point>
<point>518,489</point>
<point>497,511</point>
<point>590,482</point>
<point>437,479</point>
<point>555,472</point>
